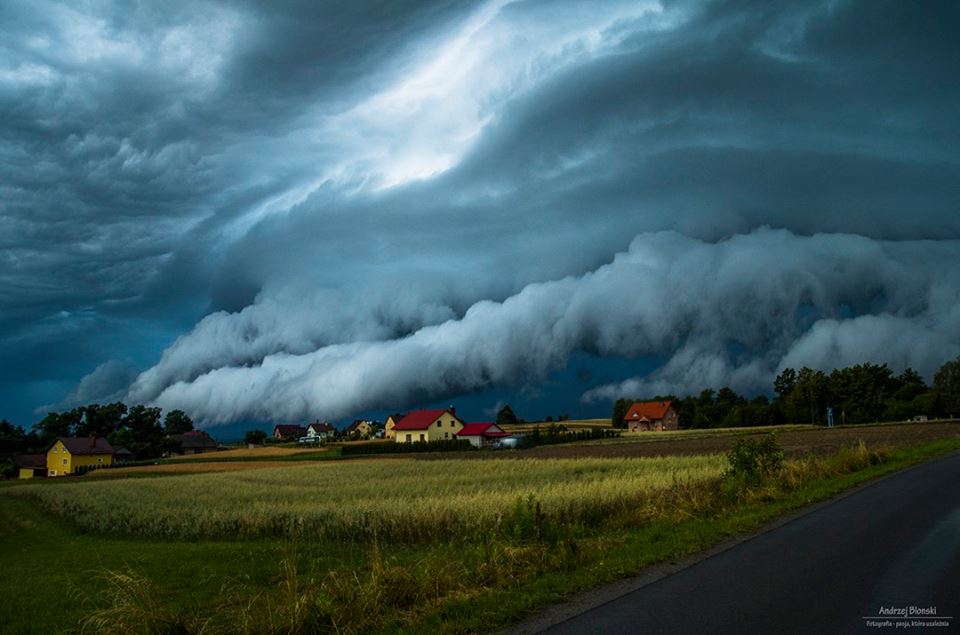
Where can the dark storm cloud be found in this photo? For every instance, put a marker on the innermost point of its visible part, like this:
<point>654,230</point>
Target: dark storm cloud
<point>320,182</point>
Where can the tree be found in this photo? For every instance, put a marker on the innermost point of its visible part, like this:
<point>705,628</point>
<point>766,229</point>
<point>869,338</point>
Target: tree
<point>121,438</point>
<point>620,409</point>
<point>946,383</point>
<point>57,424</point>
<point>100,421</point>
<point>807,400</point>
<point>506,415</point>
<point>254,437</point>
<point>910,385</point>
<point>11,438</point>
<point>144,426</point>
<point>177,422</point>
<point>784,383</point>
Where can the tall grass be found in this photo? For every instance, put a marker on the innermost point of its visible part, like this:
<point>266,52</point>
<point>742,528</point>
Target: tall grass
<point>391,592</point>
<point>411,502</point>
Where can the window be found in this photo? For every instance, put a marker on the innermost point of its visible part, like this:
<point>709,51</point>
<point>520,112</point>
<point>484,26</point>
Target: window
<point>64,461</point>
<point>409,438</point>
<point>100,459</point>
<point>56,449</point>
<point>421,437</point>
<point>53,472</point>
<point>446,435</point>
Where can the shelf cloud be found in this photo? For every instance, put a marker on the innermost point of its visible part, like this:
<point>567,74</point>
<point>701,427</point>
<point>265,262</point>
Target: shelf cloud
<point>298,209</point>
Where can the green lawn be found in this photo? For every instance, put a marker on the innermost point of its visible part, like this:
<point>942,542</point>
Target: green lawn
<point>51,574</point>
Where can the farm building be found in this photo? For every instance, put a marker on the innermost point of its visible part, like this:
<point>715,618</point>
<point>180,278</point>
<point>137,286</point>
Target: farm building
<point>482,434</point>
<point>31,465</point>
<point>122,455</point>
<point>69,454</point>
<point>390,423</point>
<point>428,425</point>
<point>652,415</point>
<point>195,442</point>
<point>288,431</point>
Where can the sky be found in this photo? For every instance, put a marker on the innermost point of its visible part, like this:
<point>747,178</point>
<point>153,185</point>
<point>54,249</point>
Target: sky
<point>284,211</point>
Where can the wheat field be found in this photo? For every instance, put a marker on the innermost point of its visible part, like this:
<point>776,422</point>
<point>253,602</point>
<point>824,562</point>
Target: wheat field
<point>412,501</point>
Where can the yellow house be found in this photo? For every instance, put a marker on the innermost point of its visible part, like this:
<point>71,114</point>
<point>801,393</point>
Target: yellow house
<point>392,420</point>
<point>428,425</point>
<point>69,454</point>
<point>363,429</point>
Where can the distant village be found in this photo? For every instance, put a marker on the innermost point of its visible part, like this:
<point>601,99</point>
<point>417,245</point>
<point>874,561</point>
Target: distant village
<point>98,436</point>
<point>419,430</point>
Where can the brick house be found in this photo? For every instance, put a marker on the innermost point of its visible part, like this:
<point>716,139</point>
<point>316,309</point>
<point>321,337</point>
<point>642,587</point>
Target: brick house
<point>652,415</point>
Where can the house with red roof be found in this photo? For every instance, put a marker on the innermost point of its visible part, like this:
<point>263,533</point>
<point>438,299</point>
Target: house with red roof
<point>428,425</point>
<point>652,415</point>
<point>482,434</point>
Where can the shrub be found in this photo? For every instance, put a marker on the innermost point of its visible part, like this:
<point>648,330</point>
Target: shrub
<point>751,460</point>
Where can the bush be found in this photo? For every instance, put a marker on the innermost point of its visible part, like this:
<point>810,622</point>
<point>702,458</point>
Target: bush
<point>751,459</point>
<point>254,437</point>
<point>555,434</point>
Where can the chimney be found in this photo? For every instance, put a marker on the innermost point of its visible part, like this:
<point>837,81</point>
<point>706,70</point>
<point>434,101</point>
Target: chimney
<point>452,410</point>
<point>93,440</point>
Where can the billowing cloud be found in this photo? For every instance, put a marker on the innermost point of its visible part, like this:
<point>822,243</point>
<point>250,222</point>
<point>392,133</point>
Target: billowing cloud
<point>733,311</point>
<point>262,190</point>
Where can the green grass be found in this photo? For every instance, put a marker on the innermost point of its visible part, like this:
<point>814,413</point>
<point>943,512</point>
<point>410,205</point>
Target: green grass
<point>250,585</point>
<point>52,575</point>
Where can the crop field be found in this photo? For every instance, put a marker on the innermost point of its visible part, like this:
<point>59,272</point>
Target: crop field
<point>410,501</point>
<point>385,544</point>
<point>265,452</point>
<point>186,467</point>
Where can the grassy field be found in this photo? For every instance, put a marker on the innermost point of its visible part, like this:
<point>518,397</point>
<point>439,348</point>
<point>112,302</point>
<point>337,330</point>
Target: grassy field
<point>391,545</point>
<point>410,501</point>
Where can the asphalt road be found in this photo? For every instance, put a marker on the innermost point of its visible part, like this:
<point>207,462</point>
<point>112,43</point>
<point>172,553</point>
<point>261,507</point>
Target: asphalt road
<point>895,543</point>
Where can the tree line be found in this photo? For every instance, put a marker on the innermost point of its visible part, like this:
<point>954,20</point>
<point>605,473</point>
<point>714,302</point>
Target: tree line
<point>864,393</point>
<point>139,428</point>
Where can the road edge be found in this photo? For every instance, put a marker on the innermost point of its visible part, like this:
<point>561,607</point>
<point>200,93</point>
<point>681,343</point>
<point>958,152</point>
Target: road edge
<point>588,599</point>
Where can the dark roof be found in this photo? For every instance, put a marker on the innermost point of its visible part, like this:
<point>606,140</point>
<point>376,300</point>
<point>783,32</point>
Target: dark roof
<point>422,419</point>
<point>356,424</point>
<point>289,429</point>
<point>321,426</point>
<point>31,460</point>
<point>194,439</point>
<point>86,445</point>
<point>121,451</point>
